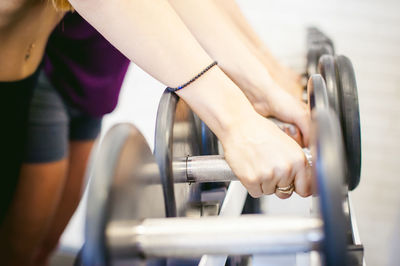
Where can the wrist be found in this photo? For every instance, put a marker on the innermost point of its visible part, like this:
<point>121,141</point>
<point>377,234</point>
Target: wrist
<point>251,77</point>
<point>218,102</point>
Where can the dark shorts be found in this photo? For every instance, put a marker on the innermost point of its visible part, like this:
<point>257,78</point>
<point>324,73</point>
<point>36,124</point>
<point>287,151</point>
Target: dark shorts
<point>52,123</point>
<point>37,125</point>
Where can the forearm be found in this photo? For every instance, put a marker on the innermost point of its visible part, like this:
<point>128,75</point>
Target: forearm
<point>151,34</point>
<point>225,43</point>
<point>231,8</point>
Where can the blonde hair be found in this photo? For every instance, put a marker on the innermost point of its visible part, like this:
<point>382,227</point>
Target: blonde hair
<point>62,5</point>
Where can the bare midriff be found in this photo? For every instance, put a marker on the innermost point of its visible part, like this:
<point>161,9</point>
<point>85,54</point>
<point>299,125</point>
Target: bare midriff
<point>25,26</point>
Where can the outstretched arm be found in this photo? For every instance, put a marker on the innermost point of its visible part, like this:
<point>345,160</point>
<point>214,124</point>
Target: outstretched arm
<point>224,41</point>
<point>151,34</point>
<point>231,8</point>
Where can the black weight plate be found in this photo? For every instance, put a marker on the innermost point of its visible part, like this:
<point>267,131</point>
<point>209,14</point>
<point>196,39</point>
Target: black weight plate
<point>327,69</point>
<point>315,51</point>
<point>321,40</point>
<point>350,118</point>
<point>317,94</point>
<point>175,137</point>
<point>329,171</point>
<point>118,188</point>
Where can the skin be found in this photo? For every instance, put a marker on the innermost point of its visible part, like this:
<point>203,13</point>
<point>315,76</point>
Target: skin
<point>151,34</point>
<point>287,78</point>
<point>208,23</point>
<point>79,152</point>
<point>25,26</point>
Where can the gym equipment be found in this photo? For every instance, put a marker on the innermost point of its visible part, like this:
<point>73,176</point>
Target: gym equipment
<point>318,44</point>
<point>315,36</point>
<point>317,94</point>
<point>350,118</point>
<point>125,207</point>
<point>176,138</point>
<point>207,140</point>
<point>343,98</point>
<point>327,68</point>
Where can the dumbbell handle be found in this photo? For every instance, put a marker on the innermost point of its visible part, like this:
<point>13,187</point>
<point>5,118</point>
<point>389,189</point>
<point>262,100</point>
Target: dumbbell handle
<point>201,169</point>
<point>193,237</point>
<point>207,168</point>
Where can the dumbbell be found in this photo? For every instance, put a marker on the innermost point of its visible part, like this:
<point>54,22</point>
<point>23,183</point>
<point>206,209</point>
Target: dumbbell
<point>175,139</point>
<point>316,36</point>
<point>126,215</point>
<point>341,87</point>
<point>207,140</point>
<point>318,44</point>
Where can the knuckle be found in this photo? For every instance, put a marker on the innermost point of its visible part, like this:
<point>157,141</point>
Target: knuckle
<point>252,181</point>
<point>255,194</point>
<point>282,170</point>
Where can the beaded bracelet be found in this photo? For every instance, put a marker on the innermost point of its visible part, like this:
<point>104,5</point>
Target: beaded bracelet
<point>193,79</point>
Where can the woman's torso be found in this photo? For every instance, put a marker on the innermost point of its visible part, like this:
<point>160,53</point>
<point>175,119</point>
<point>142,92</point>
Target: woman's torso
<point>25,26</point>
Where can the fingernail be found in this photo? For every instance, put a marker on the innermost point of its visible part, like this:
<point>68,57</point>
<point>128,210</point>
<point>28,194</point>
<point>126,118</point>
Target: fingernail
<point>292,130</point>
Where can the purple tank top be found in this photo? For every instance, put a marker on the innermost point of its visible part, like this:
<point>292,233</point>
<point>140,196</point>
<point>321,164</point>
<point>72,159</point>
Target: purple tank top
<point>85,68</point>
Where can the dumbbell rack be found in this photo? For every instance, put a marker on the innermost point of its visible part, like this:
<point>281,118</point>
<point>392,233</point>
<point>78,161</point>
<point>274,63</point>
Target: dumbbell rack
<point>132,191</point>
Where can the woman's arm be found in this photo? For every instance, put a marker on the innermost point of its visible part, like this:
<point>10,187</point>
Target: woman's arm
<point>231,8</point>
<point>224,41</point>
<point>151,34</point>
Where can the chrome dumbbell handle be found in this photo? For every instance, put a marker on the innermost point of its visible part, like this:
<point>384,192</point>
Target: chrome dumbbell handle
<point>208,168</point>
<point>193,237</point>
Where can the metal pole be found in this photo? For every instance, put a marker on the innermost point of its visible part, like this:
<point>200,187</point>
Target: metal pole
<point>209,168</point>
<point>193,237</point>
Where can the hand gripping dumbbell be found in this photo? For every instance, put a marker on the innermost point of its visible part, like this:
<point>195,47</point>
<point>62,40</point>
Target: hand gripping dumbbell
<point>126,215</point>
<point>176,143</point>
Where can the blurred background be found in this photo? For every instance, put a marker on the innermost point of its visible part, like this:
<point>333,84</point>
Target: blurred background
<point>366,31</point>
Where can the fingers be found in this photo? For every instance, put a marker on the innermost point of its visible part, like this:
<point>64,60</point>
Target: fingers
<point>282,182</point>
<point>302,181</point>
<point>293,132</point>
<point>284,187</point>
<point>303,121</point>
<point>278,181</point>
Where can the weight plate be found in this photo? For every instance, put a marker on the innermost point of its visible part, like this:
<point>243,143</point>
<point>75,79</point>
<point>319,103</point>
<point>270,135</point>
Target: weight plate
<point>175,137</point>
<point>327,69</point>
<point>118,188</point>
<point>350,118</point>
<point>315,36</point>
<point>329,171</point>
<point>315,51</point>
<point>317,94</point>
<point>207,140</point>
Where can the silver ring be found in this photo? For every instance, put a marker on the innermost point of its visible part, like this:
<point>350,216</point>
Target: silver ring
<point>308,155</point>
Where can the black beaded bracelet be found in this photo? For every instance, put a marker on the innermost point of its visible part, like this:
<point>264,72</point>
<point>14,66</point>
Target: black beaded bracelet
<point>193,79</point>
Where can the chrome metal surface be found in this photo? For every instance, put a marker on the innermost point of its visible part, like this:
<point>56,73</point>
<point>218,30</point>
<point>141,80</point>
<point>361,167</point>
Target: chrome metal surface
<point>204,168</point>
<point>184,144</point>
<point>232,207</point>
<point>175,137</point>
<point>118,191</point>
<point>329,168</point>
<point>209,168</point>
<point>193,237</point>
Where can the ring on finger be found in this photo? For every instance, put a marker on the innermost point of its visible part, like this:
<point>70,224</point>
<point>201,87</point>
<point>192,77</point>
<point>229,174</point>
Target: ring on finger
<point>286,190</point>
